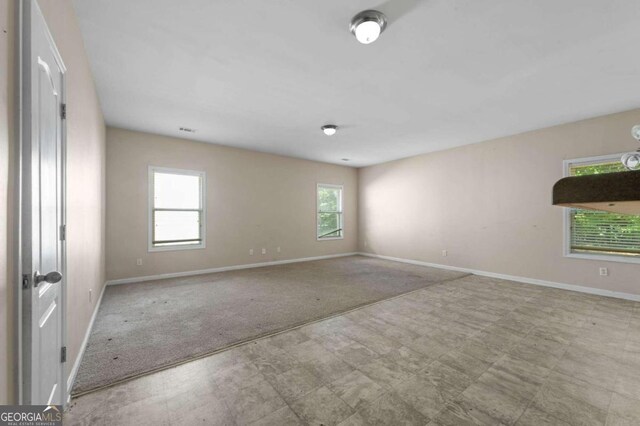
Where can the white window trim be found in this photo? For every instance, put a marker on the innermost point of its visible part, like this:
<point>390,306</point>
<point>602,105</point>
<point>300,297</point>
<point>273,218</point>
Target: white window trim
<point>567,216</point>
<point>341,188</point>
<point>203,223</point>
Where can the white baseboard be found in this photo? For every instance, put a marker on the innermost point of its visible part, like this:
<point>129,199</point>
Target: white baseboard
<point>563,286</point>
<point>223,269</point>
<point>76,365</point>
<point>534,281</point>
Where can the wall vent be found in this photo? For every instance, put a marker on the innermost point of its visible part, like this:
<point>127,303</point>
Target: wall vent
<point>188,130</point>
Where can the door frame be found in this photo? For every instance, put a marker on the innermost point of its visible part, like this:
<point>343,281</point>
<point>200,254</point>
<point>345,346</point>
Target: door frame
<point>23,192</point>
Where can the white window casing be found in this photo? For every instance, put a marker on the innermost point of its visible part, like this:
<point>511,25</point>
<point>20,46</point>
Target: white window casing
<point>177,213</point>
<point>329,212</point>
<point>596,235</point>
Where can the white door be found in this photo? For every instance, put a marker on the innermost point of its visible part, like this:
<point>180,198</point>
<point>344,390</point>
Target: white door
<point>42,211</point>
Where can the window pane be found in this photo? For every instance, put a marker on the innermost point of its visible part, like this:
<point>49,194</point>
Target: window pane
<point>597,169</point>
<point>603,232</point>
<point>177,225</point>
<point>329,199</point>
<point>175,191</point>
<point>329,225</point>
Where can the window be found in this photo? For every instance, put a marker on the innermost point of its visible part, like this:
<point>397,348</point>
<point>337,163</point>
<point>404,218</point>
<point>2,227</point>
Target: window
<point>176,209</point>
<point>590,233</point>
<point>329,219</point>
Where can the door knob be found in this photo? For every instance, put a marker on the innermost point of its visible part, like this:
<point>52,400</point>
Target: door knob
<point>52,278</point>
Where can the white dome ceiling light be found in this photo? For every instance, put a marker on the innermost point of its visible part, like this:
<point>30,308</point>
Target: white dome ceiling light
<point>368,25</point>
<point>329,129</point>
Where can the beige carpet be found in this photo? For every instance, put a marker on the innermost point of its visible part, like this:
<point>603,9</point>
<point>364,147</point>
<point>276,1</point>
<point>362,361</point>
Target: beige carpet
<point>145,326</point>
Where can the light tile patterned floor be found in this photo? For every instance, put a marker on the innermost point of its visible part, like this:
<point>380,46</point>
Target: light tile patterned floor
<point>472,351</point>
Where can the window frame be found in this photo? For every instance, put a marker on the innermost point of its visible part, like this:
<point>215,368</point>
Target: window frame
<point>566,166</point>
<point>341,188</point>
<point>151,209</point>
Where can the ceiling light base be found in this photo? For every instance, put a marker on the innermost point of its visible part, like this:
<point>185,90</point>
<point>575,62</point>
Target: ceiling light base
<point>362,29</point>
<point>329,129</point>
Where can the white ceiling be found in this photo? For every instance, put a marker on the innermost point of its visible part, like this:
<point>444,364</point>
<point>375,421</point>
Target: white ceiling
<point>265,75</point>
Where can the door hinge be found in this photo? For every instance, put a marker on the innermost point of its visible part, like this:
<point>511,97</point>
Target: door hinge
<point>63,111</point>
<point>63,354</point>
<point>26,281</point>
<point>63,232</point>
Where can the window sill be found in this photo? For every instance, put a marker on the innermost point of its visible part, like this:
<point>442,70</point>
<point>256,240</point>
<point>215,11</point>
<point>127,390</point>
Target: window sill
<point>603,257</point>
<point>177,248</point>
<point>329,238</point>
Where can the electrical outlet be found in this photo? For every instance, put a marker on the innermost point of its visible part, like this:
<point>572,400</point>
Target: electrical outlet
<point>604,272</point>
<point>250,252</point>
<point>139,262</point>
<point>278,249</point>
<point>264,251</point>
<point>444,253</point>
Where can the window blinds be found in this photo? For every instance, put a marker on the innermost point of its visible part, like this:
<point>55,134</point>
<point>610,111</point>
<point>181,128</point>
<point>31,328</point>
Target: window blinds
<point>603,232</point>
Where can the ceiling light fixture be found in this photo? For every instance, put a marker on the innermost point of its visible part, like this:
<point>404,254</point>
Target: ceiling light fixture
<point>368,25</point>
<point>329,129</point>
<point>631,160</point>
<point>615,192</point>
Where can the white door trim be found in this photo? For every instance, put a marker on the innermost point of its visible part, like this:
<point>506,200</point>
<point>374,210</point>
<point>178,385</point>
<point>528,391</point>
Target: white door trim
<point>23,241</point>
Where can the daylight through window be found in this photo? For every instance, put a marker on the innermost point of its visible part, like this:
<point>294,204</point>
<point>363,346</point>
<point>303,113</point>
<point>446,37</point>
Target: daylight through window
<point>176,209</point>
<point>329,219</point>
<point>603,233</point>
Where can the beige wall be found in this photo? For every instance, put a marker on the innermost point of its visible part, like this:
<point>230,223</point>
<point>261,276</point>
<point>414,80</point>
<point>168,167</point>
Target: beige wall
<point>489,205</point>
<point>7,61</point>
<point>85,190</point>
<point>253,200</point>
